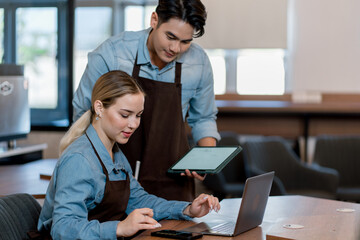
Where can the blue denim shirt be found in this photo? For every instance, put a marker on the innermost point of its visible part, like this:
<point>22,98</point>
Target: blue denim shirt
<point>78,184</point>
<point>119,52</point>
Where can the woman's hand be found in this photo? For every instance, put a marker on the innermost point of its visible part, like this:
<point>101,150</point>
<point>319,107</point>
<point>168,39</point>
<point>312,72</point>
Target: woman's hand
<point>202,205</point>
<point>193,174</point>
<point>138,219</point>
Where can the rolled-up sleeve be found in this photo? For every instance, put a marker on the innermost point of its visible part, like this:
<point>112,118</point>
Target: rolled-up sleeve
<point>202,109</point>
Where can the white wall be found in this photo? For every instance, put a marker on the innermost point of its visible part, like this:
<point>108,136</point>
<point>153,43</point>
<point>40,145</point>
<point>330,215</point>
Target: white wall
<point>324,45</point>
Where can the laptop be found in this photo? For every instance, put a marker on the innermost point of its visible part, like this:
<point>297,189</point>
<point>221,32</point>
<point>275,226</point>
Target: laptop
<point>250,214</point>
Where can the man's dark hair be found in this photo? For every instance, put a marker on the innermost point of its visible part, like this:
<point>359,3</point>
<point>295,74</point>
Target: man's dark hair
<point>190,11</point>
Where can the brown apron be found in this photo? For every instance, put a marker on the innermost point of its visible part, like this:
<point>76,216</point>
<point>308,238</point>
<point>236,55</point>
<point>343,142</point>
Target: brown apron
<point>160,139</point>
<point>115,200</point>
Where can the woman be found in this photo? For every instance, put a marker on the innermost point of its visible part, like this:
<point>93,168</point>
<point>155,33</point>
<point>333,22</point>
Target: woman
<point>92,193</point>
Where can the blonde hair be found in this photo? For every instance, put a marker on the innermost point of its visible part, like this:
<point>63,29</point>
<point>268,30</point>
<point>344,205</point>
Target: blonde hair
<point>107,89</point>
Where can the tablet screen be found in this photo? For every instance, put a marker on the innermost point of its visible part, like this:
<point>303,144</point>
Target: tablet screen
<point>206,158</point>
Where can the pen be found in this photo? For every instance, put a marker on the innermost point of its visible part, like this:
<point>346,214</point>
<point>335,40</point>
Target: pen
<point>137,168</point>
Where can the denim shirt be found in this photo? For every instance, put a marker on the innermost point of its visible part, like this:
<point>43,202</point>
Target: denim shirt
<point>119,52</point>
<point>78,185</point>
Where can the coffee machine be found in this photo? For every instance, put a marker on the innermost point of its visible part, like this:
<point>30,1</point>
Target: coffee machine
<point>14,104</point>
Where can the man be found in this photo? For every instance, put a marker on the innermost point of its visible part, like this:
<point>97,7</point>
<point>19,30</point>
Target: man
<point>177,78</point>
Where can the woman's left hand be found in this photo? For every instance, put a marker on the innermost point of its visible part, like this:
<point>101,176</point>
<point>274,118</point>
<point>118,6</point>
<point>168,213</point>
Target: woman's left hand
<point>202,205</point>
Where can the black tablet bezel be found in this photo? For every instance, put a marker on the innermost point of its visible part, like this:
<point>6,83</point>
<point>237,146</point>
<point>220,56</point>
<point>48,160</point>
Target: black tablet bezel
<point>236,151</point>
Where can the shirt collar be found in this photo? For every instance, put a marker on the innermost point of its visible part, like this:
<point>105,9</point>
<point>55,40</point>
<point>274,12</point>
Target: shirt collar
<point>103,153</point>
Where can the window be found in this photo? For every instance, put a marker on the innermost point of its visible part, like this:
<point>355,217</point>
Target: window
<point>36,44</point>
<point>134,18</point>
<point>111,18</point>
<point>90,32</point>
<point>1,33</point>
<point>248,71</point>
<point>260,72</point>
<point>36,34</point>
<point>137,17</point>
<point>218,64</point>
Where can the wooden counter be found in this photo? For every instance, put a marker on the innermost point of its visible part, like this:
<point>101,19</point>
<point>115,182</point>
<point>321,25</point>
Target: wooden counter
<point>336,114</point>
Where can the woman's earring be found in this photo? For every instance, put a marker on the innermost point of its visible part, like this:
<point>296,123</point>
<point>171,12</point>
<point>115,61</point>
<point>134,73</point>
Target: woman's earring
<point>97,117</point>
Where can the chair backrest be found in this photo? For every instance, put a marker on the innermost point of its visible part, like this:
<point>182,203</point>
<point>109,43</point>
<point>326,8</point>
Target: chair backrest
<point>236,170</point>
<point>19,213</point>
<point>341,153</point>
<point>273,154</point>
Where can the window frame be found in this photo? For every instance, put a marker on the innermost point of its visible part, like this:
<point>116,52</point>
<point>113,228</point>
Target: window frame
<point>61,115</point>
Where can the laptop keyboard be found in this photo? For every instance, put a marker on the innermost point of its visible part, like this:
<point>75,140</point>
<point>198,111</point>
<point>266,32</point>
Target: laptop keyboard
<point>227,228</point>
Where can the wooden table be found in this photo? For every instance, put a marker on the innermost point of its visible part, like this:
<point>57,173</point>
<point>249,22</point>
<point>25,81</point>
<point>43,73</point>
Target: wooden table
<point>25,178</point>
<point>320,219</point>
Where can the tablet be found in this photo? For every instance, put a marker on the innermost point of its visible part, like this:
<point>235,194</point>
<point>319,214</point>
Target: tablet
<point>205,159</point>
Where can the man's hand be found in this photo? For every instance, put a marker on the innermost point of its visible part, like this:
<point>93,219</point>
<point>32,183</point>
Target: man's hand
<point>193,174</point>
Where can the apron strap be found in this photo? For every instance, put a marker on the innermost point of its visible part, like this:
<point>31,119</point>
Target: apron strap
<point>102,164</point>
<point>178,73</point>
<point>136,68</point>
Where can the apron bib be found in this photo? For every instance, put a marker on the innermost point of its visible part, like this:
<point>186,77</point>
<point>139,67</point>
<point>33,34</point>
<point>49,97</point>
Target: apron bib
<point>115,200</point>
<point>161,139</point>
